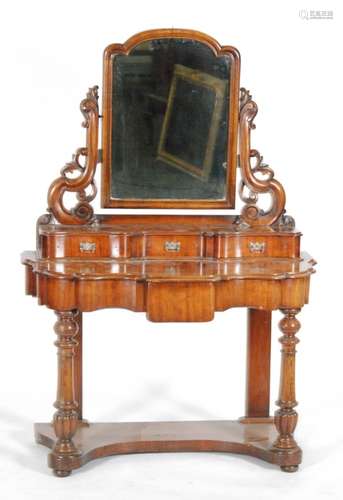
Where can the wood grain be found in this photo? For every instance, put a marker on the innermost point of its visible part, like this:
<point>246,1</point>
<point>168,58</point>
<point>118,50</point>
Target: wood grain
<point>101,440</point>
<point>286,417</point>
<point>251,213</point>
<point>174,268</point>
<point>78,387</point>
<point>82,212</point>
<point>143,236</point>
<point>88,285</point>
<point>180,301</point>
<point>258,363</point>
<point>65,420</point>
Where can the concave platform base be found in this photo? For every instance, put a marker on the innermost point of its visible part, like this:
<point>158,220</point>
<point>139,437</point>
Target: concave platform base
<point>104,439</point>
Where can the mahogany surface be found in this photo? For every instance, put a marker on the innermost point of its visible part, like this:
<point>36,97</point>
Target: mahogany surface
<point>78,367</point>
<point>159,286</point>
<point>258,363</point>
<point>174,268</point>
<point>104,439</point>
<point>145,237</point>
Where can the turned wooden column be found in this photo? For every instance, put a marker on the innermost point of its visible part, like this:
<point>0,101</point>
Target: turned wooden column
<point>286,417</point>
<point>65,421</point>
<point>78,390</point>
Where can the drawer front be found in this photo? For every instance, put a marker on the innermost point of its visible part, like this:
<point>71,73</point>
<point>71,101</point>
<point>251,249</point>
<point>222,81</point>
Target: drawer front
<point>83,245</point>
<point>169,246</point>
<point>256,246</point>
<point>173,301</point>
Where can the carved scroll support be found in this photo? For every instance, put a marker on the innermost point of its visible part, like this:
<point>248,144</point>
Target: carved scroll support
<point>82,213</point>
<point>63,456</point>
<point>286,417</point>
<point>251,214</point>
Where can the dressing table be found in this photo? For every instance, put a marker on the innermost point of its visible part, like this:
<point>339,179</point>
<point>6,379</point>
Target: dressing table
<point>175,129</point>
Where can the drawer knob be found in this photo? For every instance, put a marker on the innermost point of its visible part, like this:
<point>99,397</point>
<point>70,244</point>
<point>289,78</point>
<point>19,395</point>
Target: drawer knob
<point>172,246</point>
<point>87,246</point>
<point>257,247</point>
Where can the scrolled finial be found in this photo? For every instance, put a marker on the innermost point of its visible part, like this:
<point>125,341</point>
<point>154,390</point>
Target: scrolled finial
<point>244,97</point>
<point>88,104</point>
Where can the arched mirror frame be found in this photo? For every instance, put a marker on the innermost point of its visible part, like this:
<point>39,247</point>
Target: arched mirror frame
<point>233,116</point>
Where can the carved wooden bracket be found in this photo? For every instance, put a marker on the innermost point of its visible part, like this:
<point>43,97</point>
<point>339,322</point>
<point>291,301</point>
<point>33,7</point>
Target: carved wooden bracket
<point>251,213</point>
<point>82,213</point>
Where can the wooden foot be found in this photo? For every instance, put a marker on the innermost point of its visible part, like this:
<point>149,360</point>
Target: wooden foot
<point>103,439</point>
<point>286,417</point>
<point>289,468</point>
<point>65,421</point>
<point>62,473</point>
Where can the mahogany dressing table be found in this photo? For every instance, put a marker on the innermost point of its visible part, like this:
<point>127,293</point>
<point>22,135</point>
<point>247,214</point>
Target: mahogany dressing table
<point>171,118</point>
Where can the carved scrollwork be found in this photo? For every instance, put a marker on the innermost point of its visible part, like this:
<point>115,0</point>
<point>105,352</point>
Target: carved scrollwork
<point>244,97</point>
<point>252,185</point>
<point>285,223</point>
<point>82,213</point>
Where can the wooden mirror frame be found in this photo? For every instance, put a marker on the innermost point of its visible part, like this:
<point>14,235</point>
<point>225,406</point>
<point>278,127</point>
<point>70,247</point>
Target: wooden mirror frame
<point>109,55</point>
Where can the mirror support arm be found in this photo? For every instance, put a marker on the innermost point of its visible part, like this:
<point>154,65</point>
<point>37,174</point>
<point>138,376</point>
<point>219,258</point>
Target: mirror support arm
<point>82,212</point>
<point>251,214</point>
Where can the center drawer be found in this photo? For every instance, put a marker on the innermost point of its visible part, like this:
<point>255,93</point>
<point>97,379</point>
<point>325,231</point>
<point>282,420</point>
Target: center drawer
<point>166,245</point>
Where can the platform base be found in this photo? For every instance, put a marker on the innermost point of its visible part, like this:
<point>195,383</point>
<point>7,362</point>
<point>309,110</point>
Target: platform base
<point>104,439</point>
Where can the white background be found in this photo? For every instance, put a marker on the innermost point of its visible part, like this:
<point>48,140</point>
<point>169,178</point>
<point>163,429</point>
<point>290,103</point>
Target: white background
<point>135,370</point>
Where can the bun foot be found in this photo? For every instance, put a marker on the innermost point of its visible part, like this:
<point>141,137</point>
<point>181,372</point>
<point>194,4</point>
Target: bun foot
<point>62,473</point>
<point>289,468</point>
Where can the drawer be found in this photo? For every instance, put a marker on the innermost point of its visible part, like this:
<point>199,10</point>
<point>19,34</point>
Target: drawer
<point>177,301</point>
<point>169,246</point>
<point>227,246</point>
<point>83,245</point>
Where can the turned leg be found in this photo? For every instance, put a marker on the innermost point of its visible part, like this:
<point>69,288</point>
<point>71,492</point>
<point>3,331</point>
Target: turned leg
<point>286,417</point>
<point>258,364</point>
<point>63,456</point>
<point>78,365</point>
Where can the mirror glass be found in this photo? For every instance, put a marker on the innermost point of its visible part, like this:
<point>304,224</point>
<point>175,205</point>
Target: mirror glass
<point>170,115</point>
